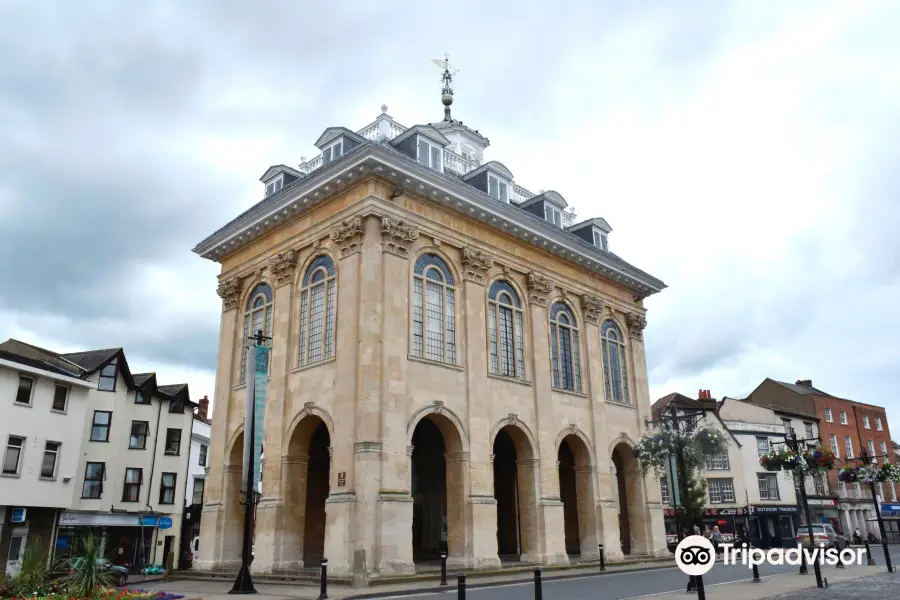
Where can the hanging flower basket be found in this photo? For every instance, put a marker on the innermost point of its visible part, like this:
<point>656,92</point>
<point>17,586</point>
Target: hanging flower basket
<point>870,474</point>
<point>654,449</point>
<point>817,460</point>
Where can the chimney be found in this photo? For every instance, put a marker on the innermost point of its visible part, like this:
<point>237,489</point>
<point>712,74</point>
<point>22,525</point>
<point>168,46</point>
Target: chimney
<point>804,382</point>
<point>203,409</point>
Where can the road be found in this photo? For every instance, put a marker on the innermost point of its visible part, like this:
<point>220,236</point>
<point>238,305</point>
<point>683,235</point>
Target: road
<point>621,586</point>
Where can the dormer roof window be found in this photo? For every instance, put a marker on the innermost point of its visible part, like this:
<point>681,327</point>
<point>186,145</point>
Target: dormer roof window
<point>553,214</point>
<point>498,189</point>
<point>333,152</point>
<point>429,154</point>
<point>600,239</point>
<point>274,186</point>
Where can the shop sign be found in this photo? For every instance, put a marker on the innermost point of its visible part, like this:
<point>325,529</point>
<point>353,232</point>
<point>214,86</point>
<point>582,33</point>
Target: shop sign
<point>100,519</point>
<point>771,509</point>
<point>890,510</point>
<point>165,522</point>
<point>710,512</point>
<point>825,502</point>
<point>17,515</point>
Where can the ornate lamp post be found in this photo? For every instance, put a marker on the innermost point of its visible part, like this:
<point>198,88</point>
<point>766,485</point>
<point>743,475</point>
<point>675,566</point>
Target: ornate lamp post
<point>867,460</point>
<point>243,583</point>
<point>801,446</point>
<point>681,425</point>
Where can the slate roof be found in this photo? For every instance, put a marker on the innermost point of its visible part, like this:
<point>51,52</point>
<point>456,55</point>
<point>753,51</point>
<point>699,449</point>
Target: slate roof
<point>141,378</point>
<point>91,360</point>
<point>802,389</point>
<point>30,362</point>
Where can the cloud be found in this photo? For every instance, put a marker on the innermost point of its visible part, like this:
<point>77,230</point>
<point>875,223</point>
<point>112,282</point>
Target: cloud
<point>743,152</point>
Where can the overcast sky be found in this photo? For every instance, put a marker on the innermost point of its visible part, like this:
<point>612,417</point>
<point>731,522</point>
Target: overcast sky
<point>744,152</point>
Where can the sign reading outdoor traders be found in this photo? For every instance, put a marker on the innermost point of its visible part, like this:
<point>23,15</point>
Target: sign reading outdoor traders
<point>255,412</point>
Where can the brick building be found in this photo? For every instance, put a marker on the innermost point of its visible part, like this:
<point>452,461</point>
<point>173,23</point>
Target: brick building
<point>847,428</point>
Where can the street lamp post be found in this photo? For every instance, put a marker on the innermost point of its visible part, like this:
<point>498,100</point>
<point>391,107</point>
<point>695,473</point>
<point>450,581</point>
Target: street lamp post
<point>243,583</point>
<point>868,460</point>
<point>795,445</point>
<point>682,424</point>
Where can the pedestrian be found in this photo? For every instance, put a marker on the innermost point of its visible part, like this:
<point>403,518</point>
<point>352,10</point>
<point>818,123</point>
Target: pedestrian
<point>717,538</point>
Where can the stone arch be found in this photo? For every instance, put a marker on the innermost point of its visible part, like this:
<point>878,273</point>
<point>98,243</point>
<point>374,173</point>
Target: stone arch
<point>452,420</point>
<point>516,485</point>
<point>452,264</point>
<point>630,496</point>
<point>568,300</point>
<point>577,471</point>
<point>304,265</point>
<point>232,446</point>
<point>309,409</point>
<point>591,457</point>
<point>306,471</point>
<point>438,480</point>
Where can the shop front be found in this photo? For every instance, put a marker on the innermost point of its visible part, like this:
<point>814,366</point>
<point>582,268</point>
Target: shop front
<point>773,526</point>
<point>890,516</point>
<point>728,520</point>
<point>126,539</point>
<point>824,510</point>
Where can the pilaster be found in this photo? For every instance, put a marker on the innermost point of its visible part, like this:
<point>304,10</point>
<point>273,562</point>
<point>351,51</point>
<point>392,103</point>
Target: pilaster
<point>592,308</point>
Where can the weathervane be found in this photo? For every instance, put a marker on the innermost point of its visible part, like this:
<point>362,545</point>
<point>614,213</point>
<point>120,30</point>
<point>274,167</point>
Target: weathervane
<point>447,78</point>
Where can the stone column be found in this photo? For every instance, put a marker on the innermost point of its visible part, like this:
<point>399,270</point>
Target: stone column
<point>393,548</point>
<point>341,534</point>
<point>213,523</point>
<point>609,513</point>
<point>551,517</point>
<point>600,436</point>
<point>587,511</point>
<point>271,519</point>
<point>480,504</point>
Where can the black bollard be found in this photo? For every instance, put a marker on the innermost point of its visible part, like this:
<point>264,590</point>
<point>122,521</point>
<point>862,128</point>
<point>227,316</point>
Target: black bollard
<point>804,570</point>
<point>323,584</point>
<point>602,558</point>
<point>443,568</point>
<point>461,587</point>
<point>538,591</point>
<point>755,573</point>
<point>840,561</point>
<point>869,554</point>
<point>701,593</point>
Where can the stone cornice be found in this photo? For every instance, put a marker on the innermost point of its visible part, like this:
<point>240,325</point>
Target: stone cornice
<point>539,288</point>
<point>475,264</point>
<point>282,266</point>
<point>397,235</point>
<point>348,236</point>
<point>369,159</point>
<point>230,292</point>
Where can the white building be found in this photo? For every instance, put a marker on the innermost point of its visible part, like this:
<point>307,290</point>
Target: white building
<point>39,401</point>
<point>124,479</point>
<point>772,507</point>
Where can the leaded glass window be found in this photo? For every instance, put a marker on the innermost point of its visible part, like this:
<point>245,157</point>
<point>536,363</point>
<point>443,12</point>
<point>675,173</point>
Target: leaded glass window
<point>506,340</point>
<point>434,310</point>
<point>615,369</point>
<point>317,311</point>
<point>565,359</point>
<point>258,316</point>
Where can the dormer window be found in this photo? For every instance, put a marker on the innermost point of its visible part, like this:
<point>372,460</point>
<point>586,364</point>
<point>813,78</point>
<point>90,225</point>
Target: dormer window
<point>498,189</point>
<point>553,215</point>
<point>274,186</point>
<point>600,240</point>
<point>332,152</point>
<point>429,155</point>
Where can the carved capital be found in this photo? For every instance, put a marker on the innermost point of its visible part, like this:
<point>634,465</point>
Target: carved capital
<point>397,235</point>
<point>636,324</point>
<point>348,236</point>
<point>282,267</point>
<point>539,288</point>
<point>475,263</point>
<point>592,306</point>
<point>230,292</point>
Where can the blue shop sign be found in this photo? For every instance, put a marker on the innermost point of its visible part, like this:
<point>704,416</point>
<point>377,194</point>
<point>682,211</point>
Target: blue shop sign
<point>890,510</point>
<point>149,521</point>
<point>165,522</point>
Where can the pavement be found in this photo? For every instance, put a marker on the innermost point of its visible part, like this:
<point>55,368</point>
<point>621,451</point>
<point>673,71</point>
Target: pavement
<point>871,588</point>
<point>661,582</point>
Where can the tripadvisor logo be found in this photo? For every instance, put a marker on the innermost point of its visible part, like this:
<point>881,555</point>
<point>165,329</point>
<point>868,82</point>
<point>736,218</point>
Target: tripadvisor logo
<point>695,555</point>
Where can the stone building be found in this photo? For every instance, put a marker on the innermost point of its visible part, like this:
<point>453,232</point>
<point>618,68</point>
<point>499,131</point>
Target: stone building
<point>455,365</point>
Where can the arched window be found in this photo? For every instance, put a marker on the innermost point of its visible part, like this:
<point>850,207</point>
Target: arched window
<point>505,328</point>
<point>257,316</point>
<point>565,357</point>
<point>434,310</point>
<point>317,311</point>
<point>615,372</point>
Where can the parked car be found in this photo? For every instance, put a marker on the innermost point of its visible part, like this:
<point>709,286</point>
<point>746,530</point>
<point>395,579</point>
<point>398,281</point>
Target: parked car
<point>823,534</point>
<point>120,574</point>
